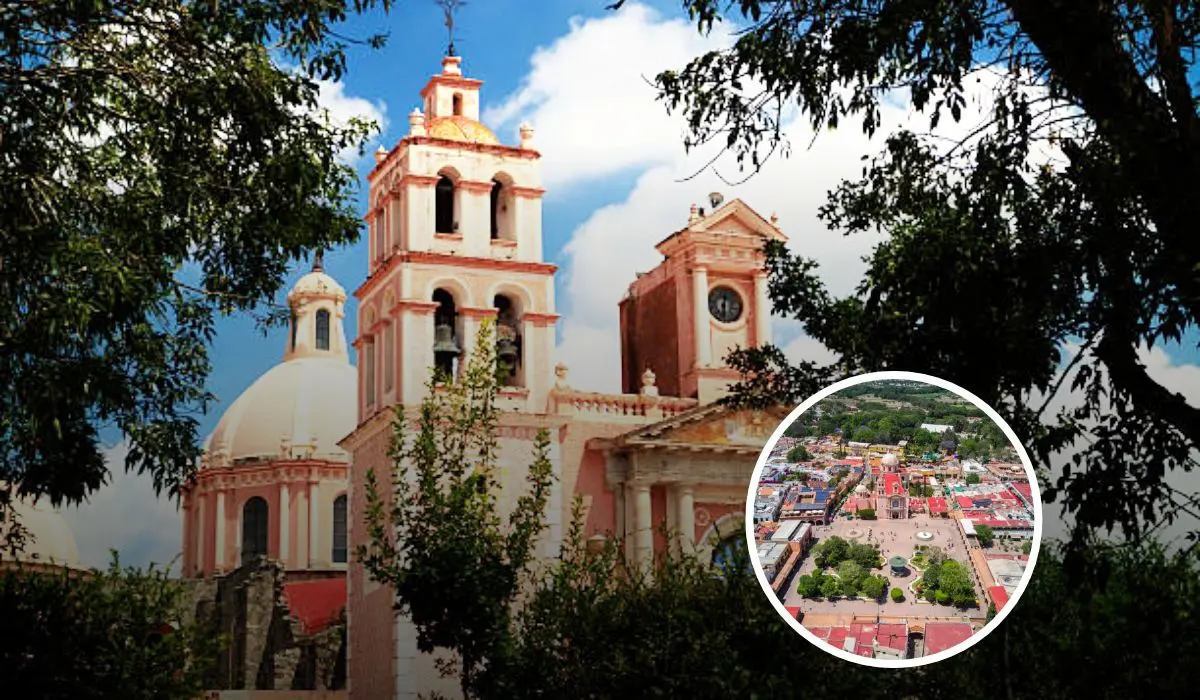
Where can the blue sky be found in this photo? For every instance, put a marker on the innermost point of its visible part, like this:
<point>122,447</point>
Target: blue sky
<point>613,162</point>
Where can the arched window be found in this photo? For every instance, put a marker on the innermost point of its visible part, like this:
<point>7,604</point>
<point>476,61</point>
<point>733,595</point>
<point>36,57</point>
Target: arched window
<point>389,359</point>
<point>368,349</point>
<point>339,530</point>
<point>508,340</point>
<point>444,205</point>
<point>380,234</point>
<point>255,524</point>
<point>293,330</point>
<point>458,104</point>
<point>497,191</point>
<point>446,348</point>
<point>322,330</point>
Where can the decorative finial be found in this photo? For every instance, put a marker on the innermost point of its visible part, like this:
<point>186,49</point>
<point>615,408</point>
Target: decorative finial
<point>694,214</point>
<point>775,220</point>
<point>449,8</point>
<point>560,374</point>
<point>380,154</point>
<point>319,261</point>
<point>526,135</point>
<point>648,379</point>
<point>416,123</point>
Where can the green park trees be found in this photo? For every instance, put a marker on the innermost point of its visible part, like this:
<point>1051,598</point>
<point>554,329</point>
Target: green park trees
<point>1060,219</point>
<point>163,164</point>
<point>985,535</point>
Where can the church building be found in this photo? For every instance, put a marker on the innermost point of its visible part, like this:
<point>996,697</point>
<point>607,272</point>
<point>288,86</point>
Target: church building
<point>455,228</point>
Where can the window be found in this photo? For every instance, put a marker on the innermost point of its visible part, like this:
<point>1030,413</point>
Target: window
<point>497,190</point>
<point>322,330</point>
<point>369,371</point>
<point>293,330</point>
<point>254,529</point>
<point>444,205</point>
<point>458,104</point>
<point>380,234</point>
<point>339,530</point>
<point>388,358</point>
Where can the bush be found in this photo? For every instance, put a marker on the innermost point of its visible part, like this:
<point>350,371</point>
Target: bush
<point>897,595</point>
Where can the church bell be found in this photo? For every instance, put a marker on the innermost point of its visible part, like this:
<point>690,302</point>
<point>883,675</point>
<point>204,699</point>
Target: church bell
<point>506,343</point>
<point>444,342</point>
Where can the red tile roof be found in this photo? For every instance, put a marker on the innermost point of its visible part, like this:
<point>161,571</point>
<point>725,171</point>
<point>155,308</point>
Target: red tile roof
<point>964,501</point>
<point>794,612</point>
<point>999,596</point>
<point>1023,488</point>
<point>891,484</point>
<point>893,636</point>
<point>940,636</point>
<point>937,505</point>
<point>315,603</point>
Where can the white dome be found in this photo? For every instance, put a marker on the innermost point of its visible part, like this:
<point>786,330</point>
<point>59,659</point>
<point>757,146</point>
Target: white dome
<point>890,460</point>
<point>300,404</point>
<point>317,283</point>
<point>48,538</point>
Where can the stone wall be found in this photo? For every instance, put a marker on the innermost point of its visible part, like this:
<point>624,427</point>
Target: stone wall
<point>263,646</point>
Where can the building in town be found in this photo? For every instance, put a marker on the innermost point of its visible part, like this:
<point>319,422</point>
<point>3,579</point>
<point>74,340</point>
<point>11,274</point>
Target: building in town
<point>455,229</point>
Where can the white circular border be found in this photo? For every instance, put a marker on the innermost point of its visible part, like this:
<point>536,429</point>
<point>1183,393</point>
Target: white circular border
<point>974,638</point>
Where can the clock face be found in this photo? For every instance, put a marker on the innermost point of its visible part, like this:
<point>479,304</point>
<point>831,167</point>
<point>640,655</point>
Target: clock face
<point>725,304</point>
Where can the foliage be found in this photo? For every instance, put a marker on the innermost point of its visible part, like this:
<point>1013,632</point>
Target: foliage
<point>866,514</point>
<point>1026,547</point>
<point>897,595</point>
<point>798,454</point>
<point>991,612</point>
<point>116,633</point>
<point>985,535</point>
<point>832,587</point>
<point>1060,224</point>
<point>443,509</point>
<point>948,582</point>
<point>164,163</point>
<point>832,552</point>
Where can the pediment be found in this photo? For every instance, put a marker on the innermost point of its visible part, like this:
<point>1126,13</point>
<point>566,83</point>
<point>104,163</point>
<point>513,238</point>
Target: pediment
<point>714,426</point>
<point>739,217</point>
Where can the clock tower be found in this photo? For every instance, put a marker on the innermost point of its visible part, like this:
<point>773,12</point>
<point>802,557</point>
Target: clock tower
<point>707,297</point>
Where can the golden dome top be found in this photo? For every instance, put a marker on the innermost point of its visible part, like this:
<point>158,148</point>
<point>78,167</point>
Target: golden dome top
<point>459,128</point>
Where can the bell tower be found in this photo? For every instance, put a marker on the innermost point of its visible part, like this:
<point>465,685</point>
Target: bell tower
<point>455,238</point>
<point>707,297</point>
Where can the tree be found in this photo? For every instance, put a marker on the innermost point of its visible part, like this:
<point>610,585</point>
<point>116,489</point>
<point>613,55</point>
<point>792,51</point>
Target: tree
<point>1065,219</point>
<point>442,514</point>
<point>831,552</point>
<point>1026,547</point>
<point>809,585</point>
<point>798,454</point>
<point>897,595</point>
<point>874,587</point>
<point>850,572</point>
<point>867,514</point>
<point>116,633</point>
<point>985,535</point>
<point>164,162</point>
<point>972,479</point>
<point>991,612</point>
<point>831,587</point>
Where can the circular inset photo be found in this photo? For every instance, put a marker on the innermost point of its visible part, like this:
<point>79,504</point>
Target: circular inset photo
<point>894,519</point>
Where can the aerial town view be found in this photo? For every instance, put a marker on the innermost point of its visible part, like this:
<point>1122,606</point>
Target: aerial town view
<point>894,519</point>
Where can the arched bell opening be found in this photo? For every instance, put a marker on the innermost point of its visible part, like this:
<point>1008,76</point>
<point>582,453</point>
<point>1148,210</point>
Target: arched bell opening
<point>503,220</point>
<point>510,367</point>
<point>447,335</point>
<point>445,205</point>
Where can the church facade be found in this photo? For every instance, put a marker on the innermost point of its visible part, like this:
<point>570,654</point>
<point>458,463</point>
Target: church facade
<point>454,224</point>
<point>455,234</point>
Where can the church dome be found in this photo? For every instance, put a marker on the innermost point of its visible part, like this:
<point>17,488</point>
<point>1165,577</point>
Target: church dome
<point>49,539</point>
<point>890,460</point>
<point>302,407</point>
<point>317,283</point>
<point>460,128</point>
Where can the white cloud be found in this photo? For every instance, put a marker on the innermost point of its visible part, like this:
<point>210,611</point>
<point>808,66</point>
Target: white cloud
<point>341,108</point>
<point>127,516</point>
<point>589,97</point>
<point>597,118</point>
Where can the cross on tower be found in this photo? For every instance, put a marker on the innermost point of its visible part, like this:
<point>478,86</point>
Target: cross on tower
<point>449,8</point>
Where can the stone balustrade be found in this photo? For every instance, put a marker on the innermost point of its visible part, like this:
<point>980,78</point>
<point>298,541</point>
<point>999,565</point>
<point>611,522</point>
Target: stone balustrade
<point>637,409</point>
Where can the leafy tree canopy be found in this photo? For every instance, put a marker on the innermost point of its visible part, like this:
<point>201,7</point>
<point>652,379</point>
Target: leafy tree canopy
<point>1066,217</point>
<point>163,163</point>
